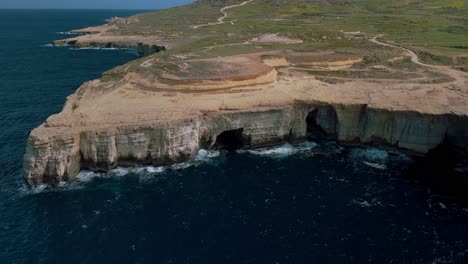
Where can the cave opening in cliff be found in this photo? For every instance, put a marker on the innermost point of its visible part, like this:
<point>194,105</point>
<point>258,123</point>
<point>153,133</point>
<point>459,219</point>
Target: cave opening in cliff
<point>232,140</point>
<point>321,123</point>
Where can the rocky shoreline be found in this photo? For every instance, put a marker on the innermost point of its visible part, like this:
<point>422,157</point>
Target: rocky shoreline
<point>60,155</point>
<point>163,108</point>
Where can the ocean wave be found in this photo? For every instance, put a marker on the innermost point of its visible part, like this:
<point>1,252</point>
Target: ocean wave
<point>143,172</point>
<point>370,154</point>
<point>372,157</point>
<point>375,165</point>
<point>47,45</point>
<point>67,33</point>
<point>98,48</point>
<point>366,204</point>
<point>281,151</point>
<point>150,169</point>
<point>86,176</point>
<point>148,172</point>
<point>204,154</point>
<point>38,189</point>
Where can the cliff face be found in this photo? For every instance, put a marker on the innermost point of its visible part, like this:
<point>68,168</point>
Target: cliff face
<point>163,108</point>
<point>59,157</point>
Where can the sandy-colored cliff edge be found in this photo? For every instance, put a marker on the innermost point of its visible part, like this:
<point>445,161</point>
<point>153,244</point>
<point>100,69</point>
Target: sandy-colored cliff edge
<point>145,120</point>
<point>263,89</point>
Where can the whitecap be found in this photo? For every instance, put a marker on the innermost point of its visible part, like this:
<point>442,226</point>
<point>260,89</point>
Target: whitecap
<point>67,33</point>
<point>119,171</point>
<point>204,154</point>
<point>375,165</point>
<point>362,203</point>
<point>39,189</point>
<point>87,176</point>
<point>47,45</point>
<point>183,165</point>
<point>372,157</point>
<point>370,154</point>
<point>98,48</point>
<point>281,151</point>
<point>151,169</point>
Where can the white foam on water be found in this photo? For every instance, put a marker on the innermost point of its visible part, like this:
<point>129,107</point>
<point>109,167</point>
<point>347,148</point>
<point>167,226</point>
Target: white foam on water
<point>372,157</point>
<point>67,33</point>
<point>144,173</point>
<point>281,151</point>
<point>87,176</point>
<point>362,203</point>
<point>182,165</point>
<point>370,154</point>
<point>45,188</point>
<point>366,204</point>
<point>39,189</point>
<point>119,171</point>
<point>204,154</point>
<point>47,45</point>
<point>97,48</point>
<point>375,165</point>
<point>151,169</point>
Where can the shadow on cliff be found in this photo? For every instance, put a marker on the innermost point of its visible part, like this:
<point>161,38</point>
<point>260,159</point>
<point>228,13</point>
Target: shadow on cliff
<point>444,170</point>
<point>232,140</point>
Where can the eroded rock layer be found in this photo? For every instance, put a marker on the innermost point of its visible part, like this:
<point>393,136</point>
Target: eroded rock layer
<point>51,158</point>
<point>164,108</point>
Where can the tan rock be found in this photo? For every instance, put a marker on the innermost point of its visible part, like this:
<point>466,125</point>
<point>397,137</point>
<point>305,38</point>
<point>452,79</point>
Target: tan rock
<point>141,120</point>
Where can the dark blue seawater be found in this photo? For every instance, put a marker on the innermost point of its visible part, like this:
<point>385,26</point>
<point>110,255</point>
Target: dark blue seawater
<point>311,203</point>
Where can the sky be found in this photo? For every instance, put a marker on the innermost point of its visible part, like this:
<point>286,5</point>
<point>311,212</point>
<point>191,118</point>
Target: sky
<point>93,4</point>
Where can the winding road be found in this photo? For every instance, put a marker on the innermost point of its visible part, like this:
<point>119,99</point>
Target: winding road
<point>414,56</point>
<point>459,76</point>
<point>225,14</point>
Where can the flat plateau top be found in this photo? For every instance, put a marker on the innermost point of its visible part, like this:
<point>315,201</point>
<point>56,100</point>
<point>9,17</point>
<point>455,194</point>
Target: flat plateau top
<point>236,55</point>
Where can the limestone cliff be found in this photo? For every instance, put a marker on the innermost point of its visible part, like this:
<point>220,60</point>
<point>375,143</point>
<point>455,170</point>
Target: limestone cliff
<point>163,108</point>
<point>60,156</point>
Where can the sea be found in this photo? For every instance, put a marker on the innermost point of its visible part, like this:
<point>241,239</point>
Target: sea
<point>312,202</point>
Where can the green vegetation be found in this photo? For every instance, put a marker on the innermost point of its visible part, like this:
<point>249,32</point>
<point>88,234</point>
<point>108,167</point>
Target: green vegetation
<point>436,29</point>
<point>374,74</point>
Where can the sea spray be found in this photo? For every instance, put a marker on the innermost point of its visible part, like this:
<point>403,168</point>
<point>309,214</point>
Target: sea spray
<point>282,150</point>
<point>371,157</point>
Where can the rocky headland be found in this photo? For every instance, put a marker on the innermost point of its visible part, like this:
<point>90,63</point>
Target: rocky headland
<point>164,108</point>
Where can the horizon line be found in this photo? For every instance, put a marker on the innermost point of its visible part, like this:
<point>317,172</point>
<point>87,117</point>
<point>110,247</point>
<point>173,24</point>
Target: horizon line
<point>72,8</point>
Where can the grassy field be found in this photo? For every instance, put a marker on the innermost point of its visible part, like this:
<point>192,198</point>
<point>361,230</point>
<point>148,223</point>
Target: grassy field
<point>436,29</point>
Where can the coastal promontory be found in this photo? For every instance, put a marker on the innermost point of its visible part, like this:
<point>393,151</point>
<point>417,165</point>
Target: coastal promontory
<point>230,74</point>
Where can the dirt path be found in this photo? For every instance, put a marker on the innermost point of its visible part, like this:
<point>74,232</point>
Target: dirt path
<point>460,77</point>
<point>414,56</point>
<point>225,14</point>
